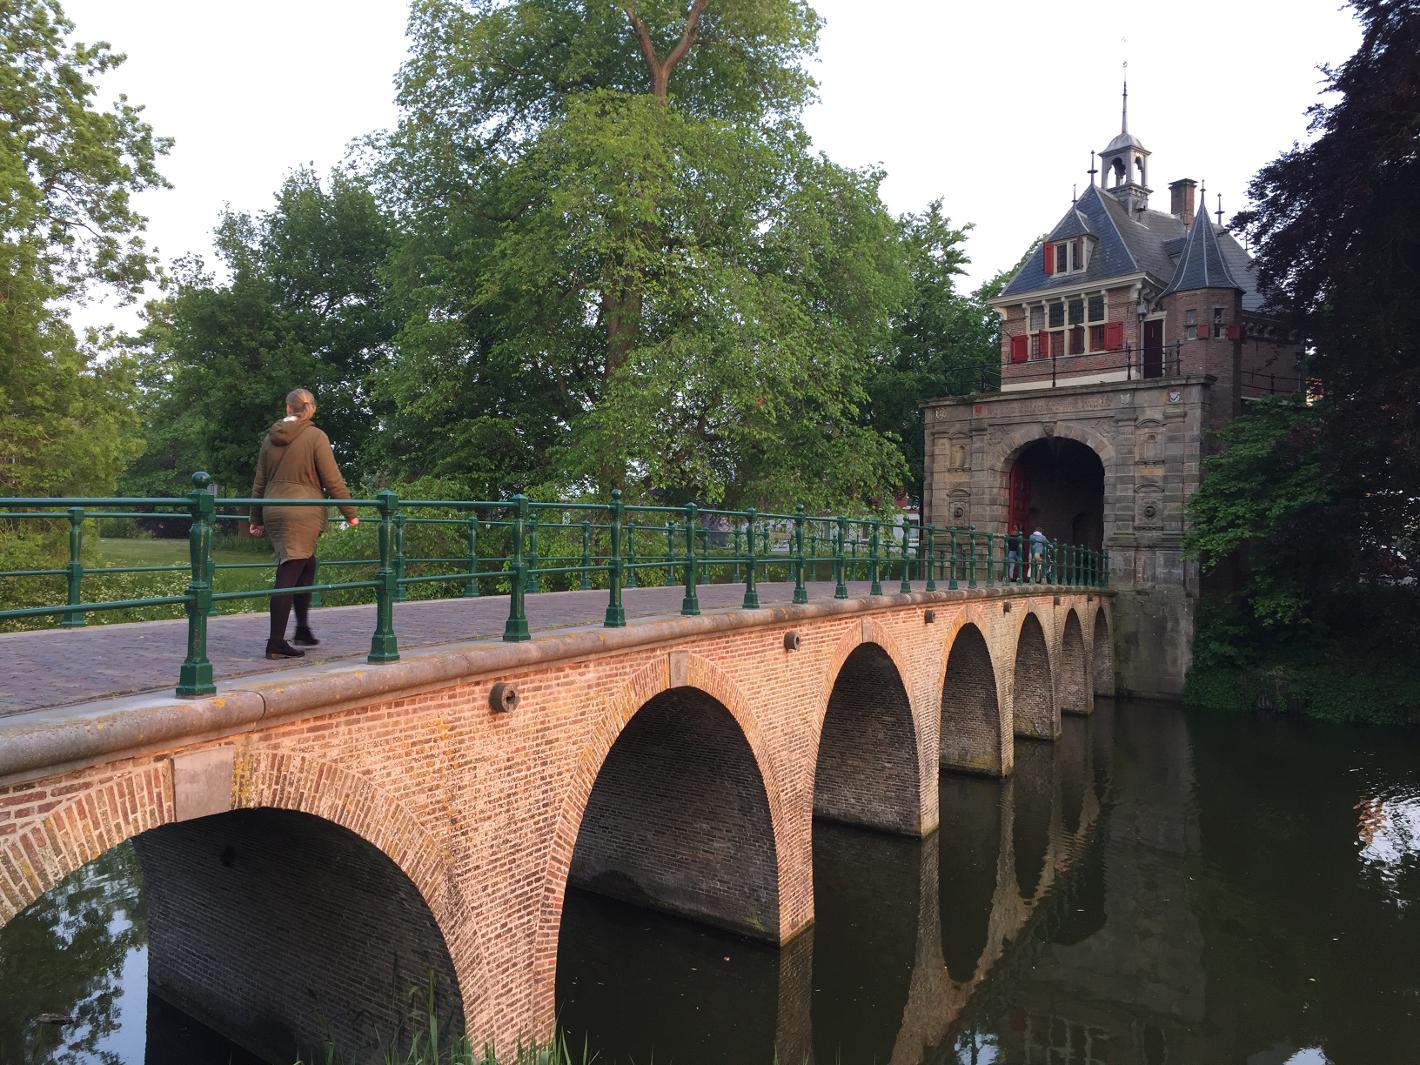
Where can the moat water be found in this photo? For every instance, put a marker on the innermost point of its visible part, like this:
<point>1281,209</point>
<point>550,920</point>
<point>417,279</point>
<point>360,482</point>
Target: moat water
<point>1159,887</point>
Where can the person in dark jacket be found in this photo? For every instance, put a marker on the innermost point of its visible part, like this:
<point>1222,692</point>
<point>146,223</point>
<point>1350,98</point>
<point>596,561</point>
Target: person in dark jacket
<point>296,462</point>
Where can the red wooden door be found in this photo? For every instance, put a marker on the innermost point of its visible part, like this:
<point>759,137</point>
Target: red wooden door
<point>1018,500</point>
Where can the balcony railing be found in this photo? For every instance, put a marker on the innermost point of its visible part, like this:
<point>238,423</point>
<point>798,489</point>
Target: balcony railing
<point>517,547</point>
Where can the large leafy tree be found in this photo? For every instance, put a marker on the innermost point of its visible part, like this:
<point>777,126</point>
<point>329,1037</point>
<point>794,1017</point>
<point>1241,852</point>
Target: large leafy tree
<point>624,264</point>
<point>68,228</point>
<point>1336,222</point>
<point>944,342</point>
<point>303,305</point>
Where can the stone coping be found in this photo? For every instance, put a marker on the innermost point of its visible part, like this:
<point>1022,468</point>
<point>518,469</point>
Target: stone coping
<point>43,742</point>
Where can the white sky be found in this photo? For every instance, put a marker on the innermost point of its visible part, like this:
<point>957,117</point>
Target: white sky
<point>992,107</point>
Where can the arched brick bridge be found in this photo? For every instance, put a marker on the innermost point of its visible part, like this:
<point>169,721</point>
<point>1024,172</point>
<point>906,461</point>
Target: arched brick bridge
<point>678,763</point>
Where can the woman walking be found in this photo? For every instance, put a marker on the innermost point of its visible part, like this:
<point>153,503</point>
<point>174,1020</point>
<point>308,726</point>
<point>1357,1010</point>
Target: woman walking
<point>296,462</point>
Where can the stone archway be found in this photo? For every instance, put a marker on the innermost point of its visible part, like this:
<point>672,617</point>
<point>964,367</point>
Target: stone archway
<point>971,710</point>
<point>1062,436</point>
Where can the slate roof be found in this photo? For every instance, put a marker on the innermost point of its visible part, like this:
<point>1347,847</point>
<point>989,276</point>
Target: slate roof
<point>1150,242</point>
<point>1073,225</point>
<point>1201,263</point>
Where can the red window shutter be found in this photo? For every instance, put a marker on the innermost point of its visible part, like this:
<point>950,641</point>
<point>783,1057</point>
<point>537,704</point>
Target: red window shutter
<point>1235,332</point>
<point>1203,328</point>
<point>1113,336</point>
<point>1020,348</point>
<point>1057,344</point>
<point>1049,257</point>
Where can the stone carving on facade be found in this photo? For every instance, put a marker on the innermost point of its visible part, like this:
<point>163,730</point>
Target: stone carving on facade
<point>1148,507</point>
<point>959,507</point>
<point>1149,443</point>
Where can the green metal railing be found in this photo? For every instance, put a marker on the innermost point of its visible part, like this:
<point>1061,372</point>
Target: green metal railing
<point>605,543</point>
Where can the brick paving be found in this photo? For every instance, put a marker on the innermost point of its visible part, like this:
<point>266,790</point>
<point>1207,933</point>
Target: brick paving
<point>60,667</point>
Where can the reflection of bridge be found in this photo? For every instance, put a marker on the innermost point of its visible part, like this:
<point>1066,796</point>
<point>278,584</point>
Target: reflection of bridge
<point>297,820</point>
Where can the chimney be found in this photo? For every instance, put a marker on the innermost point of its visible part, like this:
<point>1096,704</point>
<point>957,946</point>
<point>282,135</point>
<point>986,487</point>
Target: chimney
<point>1181,199</point>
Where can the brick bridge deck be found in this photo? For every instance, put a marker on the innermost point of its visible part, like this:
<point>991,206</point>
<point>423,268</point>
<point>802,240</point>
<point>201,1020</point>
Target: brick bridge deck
<point>678,762</point>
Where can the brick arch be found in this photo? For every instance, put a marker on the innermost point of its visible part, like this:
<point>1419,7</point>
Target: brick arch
<point>974,733</point>
<point>1102,652</point>
<point>1035,713</point>
<point>1074,686</point>
<point>793,864</point>
<point>132,803</point>
<point>903,733</point>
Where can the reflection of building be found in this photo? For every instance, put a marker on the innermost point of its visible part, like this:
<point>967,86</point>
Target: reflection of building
<point>1126,336</point>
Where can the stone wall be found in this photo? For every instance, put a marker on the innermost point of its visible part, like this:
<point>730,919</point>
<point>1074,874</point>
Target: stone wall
<point>1149,437</point>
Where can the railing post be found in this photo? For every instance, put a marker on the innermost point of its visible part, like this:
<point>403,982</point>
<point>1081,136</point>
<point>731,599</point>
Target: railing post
<point>586,555</point>
<point>670,549</point>
<point>931,531</point>
<point>516,629</point>
<point>399,595</point>
<point>840,585</point>
<point>470,588</point>
<point>801,594</point>
<point>629,581</point>
<point>905,585</point>
<point>971,557</point>
<point>1104,568</point>
<point>813,551</point>
<point>74,571</point>
<point>195,677</point>
<point>690,604</point>
<point>615,611</point>
<point>876,588</point>
<point>751,599</point>
<point>534,584</point>
<point>952,561</point>
<point>735,553</point>
<point>383,645</point>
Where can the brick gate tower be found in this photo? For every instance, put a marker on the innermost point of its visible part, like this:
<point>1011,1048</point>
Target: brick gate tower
<point>1127,336</point>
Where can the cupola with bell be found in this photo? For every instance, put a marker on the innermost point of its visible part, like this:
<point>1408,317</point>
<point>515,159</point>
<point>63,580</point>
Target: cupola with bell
<point>1125,162</point>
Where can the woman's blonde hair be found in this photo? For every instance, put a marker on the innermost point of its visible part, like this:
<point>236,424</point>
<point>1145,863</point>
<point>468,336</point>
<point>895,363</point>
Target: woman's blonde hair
<point>301,402</point>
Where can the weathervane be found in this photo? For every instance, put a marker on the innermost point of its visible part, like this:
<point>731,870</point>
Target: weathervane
<point>1219,211</point>
<point>1092,171</point>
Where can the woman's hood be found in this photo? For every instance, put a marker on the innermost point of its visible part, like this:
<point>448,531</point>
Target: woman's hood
<point>286,430</point>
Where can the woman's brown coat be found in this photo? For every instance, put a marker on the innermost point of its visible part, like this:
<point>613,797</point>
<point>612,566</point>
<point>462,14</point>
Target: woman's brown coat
<point>296,463</point>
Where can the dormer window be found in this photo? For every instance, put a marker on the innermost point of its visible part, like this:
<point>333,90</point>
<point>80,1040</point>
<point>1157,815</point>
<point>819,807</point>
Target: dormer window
<point>1066,256</point>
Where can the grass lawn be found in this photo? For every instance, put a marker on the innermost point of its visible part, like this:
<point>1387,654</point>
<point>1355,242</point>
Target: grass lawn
<point>148,552</point>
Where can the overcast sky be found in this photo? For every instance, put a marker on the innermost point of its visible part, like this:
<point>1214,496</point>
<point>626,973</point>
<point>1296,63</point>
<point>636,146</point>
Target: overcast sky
<point>993,107</point>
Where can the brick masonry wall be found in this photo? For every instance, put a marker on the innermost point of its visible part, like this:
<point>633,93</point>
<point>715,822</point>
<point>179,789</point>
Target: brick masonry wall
<point>1102,657</point>
<point>1036,714</point>
<point>244,906</point>
<point>1075,690</point>
<point>971,710</point>
<point>481,811</point>
<point>867,772</point>
<point>679,819</point>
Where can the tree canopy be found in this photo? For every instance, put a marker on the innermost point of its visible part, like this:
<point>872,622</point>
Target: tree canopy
<point>68,171</point>
<point>1336,222</point>
<point>624,264</point>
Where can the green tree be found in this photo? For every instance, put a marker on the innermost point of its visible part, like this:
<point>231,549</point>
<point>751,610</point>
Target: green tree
<point>944,342</point>
<point>624,265</point>
<point>1336,223</point>
<point>304,306</point>
<point>68,227</point>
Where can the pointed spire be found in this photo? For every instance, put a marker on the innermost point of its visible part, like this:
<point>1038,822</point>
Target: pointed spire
<point>1124,111</point>
<point>1219,211</point>
<point>1093,169</point>
<point>1200,261</point>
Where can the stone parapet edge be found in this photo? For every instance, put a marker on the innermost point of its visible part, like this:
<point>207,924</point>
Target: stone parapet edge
<point>41,743</point>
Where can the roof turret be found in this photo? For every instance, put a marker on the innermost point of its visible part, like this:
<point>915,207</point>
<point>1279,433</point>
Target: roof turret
<point>1201,263</point>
